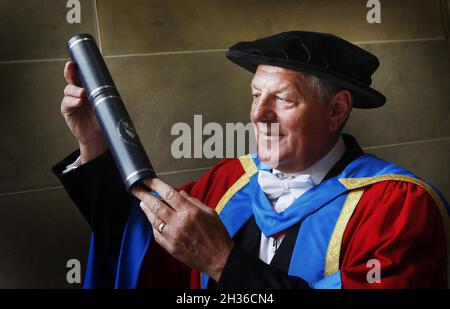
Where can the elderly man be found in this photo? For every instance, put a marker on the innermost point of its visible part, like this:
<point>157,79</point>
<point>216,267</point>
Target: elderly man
<point>325,216</point>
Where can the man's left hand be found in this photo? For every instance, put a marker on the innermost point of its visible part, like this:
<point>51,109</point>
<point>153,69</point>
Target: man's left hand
<point>190,230</point>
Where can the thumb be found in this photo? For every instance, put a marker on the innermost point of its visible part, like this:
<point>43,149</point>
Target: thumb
<point>70,74</point>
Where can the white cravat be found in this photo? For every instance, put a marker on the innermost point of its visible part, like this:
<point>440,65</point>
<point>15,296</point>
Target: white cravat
<point>283,189</point>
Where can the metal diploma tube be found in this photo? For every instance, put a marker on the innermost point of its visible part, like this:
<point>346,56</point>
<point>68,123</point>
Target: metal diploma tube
<point>121,136</point>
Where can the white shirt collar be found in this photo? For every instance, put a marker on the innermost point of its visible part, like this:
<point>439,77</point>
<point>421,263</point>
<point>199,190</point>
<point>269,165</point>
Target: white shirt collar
<point>319,170</point>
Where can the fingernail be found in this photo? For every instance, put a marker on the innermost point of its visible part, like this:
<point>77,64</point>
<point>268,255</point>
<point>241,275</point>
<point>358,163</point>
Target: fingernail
<point>142,205</point>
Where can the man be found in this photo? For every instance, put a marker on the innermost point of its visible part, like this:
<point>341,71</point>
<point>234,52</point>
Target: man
<point>317,218</point>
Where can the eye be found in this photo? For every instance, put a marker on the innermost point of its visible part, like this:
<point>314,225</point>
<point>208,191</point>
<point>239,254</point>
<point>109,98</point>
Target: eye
<point>280,99</point>
<point>256,95</point>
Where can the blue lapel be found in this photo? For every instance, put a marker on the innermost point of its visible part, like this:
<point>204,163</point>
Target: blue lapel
<point>135,243</point>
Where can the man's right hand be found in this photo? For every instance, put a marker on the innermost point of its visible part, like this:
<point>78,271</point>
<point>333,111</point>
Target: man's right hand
<point>80,117</point>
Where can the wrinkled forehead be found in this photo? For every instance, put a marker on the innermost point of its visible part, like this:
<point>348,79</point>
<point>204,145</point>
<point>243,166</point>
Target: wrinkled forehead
<point>267,76</point>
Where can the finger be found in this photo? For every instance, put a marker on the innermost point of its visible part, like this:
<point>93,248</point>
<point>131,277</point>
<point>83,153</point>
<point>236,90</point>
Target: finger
<point>159,208</point>
<point>74,91</point>
<point>167,193</point>
<point>195,201</point>
<point>70,74</point>
<point>162,240</point>
<point>142,194</point>
<point>154,204</point>
<point>69,104</point>
<point>153,219</point>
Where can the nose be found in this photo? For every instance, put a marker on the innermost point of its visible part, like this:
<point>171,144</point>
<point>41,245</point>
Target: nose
<point>263,110</point>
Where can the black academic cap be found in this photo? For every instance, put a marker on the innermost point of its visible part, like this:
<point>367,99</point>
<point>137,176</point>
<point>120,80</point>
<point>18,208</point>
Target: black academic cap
<point>323,55</point>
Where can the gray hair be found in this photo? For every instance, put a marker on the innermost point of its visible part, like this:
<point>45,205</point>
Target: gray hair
<point>325,89</point>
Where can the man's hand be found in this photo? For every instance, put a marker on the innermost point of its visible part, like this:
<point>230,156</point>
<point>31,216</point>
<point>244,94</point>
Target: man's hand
<point>80,117</point>
<point>193,233</point>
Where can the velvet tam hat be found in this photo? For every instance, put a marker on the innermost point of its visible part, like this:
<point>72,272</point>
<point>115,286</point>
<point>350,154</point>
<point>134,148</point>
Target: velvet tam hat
<point>321,54</point>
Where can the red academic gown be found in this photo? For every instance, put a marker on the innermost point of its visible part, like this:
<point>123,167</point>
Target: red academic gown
<point>396,222</point>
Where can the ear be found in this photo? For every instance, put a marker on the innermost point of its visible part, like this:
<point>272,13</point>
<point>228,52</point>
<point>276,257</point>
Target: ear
<point>340,108</point>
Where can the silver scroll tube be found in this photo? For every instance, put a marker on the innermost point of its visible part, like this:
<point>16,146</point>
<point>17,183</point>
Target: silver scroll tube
<point>123,141</point>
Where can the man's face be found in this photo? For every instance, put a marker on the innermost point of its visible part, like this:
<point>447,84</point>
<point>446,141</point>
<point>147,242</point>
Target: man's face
<point>285,97</point>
